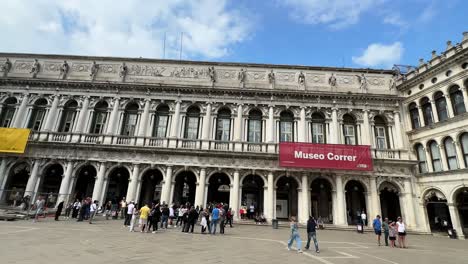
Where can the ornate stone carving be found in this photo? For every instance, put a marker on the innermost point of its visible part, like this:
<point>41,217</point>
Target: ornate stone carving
<point>241,76</point>
<point>189,72</point>
<point>36,67</point>
<point>64,70</point>
<point>362,82</point>
<point>332,80</point>
<point>392,84</point>
<point>94,70</point>
<point>271,77</point>
<point>6,67</point>
<point>212,74</point>
<point>123,70</point>
<point>146,70</point>
<point>301,79</point>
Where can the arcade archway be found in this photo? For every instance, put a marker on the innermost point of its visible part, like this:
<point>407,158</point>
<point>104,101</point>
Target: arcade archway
<point>50,184</point>
<point>461,200</point>
<point>16,182</point>
<point>85,182</point>
<point>389,201</point>
<point>184,188</point>
<point>286,197</point>
<point>321,200</point>
<point>219,188</point>
<point>355,201</point>
<point>117,185</point>
<point>437,211</point>
<point>252,193</point>
<point>151,186</point>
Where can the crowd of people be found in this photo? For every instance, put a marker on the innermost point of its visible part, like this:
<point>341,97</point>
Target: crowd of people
<point>392,231</point>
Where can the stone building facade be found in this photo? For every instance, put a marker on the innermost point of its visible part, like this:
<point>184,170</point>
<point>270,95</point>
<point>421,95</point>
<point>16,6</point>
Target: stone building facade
<point>185,131</point>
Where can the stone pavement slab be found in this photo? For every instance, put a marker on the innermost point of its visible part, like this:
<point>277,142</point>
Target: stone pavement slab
<point>109,242</point>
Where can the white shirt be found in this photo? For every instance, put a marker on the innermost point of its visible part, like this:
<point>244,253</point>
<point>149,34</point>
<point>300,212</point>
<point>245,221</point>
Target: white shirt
<point>363,216</point>
<point>93,207</point>
<point>401,227</point>
<point>130,208</point>
<point>171,211</point>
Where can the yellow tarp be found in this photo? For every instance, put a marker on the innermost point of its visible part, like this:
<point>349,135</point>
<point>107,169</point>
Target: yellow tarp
<point>13,140</point>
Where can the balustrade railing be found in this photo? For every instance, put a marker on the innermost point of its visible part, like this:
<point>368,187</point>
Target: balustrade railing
<point>178,143</point>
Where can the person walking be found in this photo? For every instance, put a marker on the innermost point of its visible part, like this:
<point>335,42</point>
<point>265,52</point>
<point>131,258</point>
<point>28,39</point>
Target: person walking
<point>130,209</point>
<point>312,233</point>
<point>222,219</point>
<point>108,209</point>
<point>68,210</point>
<point>204,220</point>
<point>39,207</point>
<point>229,216</point>
<point>144,212</point>
<point>385,228</point>
<point>192,219</point>
<point>363,219</point>
<point>377,225</point>
<point>171,214</point>
<point>123,208</point>
<point>85,204</point>
<point>133,219</point>
<point>59,211</point>
<point>214,220</point>
<point>180,214</point>
<point>401,228</point>
<point>76,208</point>
<point>294,236</point>
<point>92,211</point>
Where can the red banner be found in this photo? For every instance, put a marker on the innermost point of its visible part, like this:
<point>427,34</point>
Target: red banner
<point>325,156</point>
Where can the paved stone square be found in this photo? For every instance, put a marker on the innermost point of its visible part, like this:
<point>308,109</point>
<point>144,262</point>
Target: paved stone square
<point>109,242</point>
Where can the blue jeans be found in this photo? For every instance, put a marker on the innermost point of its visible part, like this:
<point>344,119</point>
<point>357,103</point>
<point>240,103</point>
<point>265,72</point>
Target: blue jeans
<point>312,235</point>
<point>295,236</point>
<point>164,221</point>
<point>214,222</point>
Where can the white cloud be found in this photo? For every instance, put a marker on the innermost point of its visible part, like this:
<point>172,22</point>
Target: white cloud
<point>123,28</point>
<point>335,13</point>
<point>395,19</point>
<point>382,55</point>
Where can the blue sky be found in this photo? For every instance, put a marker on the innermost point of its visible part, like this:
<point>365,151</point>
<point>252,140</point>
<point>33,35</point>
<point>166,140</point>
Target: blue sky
<point>350,33</point>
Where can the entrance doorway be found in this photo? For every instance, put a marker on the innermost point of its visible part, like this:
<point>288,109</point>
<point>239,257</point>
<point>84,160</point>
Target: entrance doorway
<point>117,185</point>
<point>184,189</point>
<point>462,204</point>
<point>151,187</point>
<point>321,200</point>
<point>85,182</point>
<point>219,189</point>
<point>355,202</point>
<point>252,194</point>
<point>389,201</point>
<point>50,185</point>
<point>286,197</point>
<point>16,184</point>
<point>437,211</point>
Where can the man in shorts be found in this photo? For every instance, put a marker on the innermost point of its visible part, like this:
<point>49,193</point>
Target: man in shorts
<point>377,225</point>
<point>39,207</point>
<point>144,212</point>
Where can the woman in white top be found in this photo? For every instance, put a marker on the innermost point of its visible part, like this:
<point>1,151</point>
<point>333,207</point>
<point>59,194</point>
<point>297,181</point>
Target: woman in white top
<point>401,228</point>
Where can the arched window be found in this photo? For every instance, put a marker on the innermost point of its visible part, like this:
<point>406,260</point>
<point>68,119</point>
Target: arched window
<point>381,133</point>
<point>37,114</point>
<point>192,122</point>
<point>130,120</point>
<point>464,145</point>
<point>68,116</point>
<point>318,128</point>
<point>414,115</point>
<point>441,106</point>
<point>427,111</point>
<point>161,120</point>
<point>421,155</point>
<point>349,130</point>
<point>223,125</point>
<point>8,111</point>
<point>435,156</point>
<point>255,126</point>
<point>99,118</point>
<point>456,96</point>
<point>451,153</point>
<point>286,126</point>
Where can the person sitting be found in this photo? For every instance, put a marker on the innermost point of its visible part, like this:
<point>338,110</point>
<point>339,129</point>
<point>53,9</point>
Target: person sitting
<point>320,223</point>
<point>262,218</point>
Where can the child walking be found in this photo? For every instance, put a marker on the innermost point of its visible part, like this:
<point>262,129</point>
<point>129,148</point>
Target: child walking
<point>294,235</point>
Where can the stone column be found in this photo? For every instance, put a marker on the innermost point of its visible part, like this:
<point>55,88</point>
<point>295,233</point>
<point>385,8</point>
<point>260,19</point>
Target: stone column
<point>375,199</point>
<point>271,197</point>
<point>455,219</point>
<point>114,116</point>
<point>239,124</point>
<point>365,135</point>
<point>334,130</point>
<point>31,185</point>
<point>131,190</point>
<point>460,156</point>
<point>435,114</point>
<point>428,159</point>
<point>165,193</point>
<point>82,116</point>
<point>421,116</point>
<point>175,121</point>
<point>3,173</point>
<point>301,133</point>
<point>98,184</point>
<point>65,184</point>
<point>266,213</point>
<point>52,116</point>
<point>449,105</point>
<point>443,157</point>
<point>409,204</point>
<point>144,119</point>
<point>235,192</point>
<point>19,118</point>
<point>206,129</point>
<point>398,132</point>
<point>200,191</point>
<point>305,198</point>
<point>270,131</point>
<point>340,205</point>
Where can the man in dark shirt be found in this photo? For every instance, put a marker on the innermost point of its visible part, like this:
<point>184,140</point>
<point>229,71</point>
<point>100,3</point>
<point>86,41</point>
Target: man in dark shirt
<point>312,233</point>
<point>164,216</point>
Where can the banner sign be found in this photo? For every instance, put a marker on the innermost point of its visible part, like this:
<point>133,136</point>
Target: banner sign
<point>325,156</point>
<point>13,140</point>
